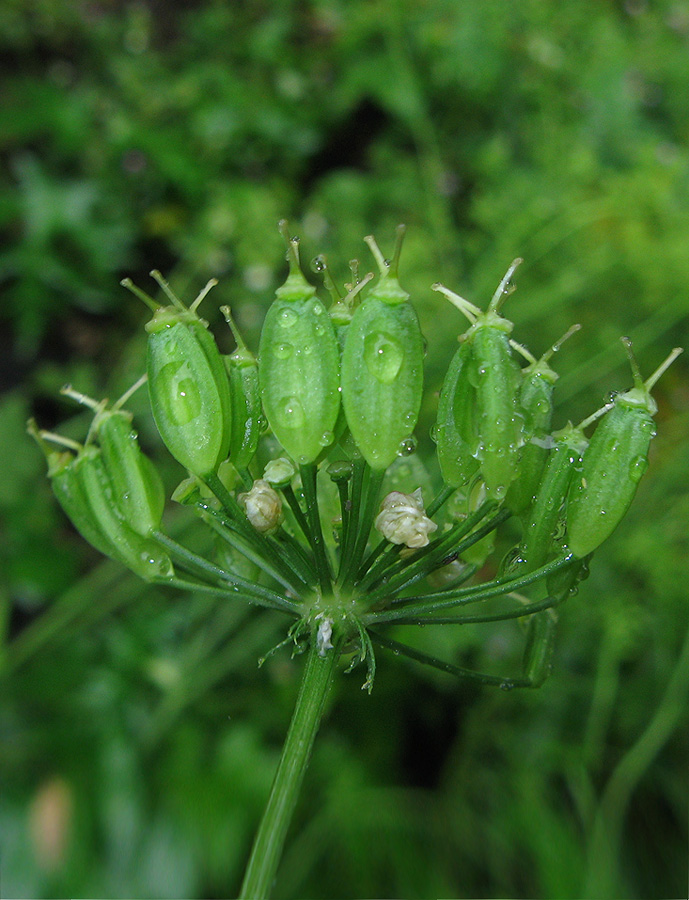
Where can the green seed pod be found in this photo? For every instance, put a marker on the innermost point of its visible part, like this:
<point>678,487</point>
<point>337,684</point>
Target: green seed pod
<point>616,458</point>
<point>456,428</point>
<point>245,396</point>
<point>536,402</point>
<point>546,510</point>
<point>85,492</point>
<point>496,377</point>
<point>538,652</point>
<point>137,487</point>
<point>188,384</point>
<point>341,312</point>
<point>382,366</point>
<point>299,366</point>
<point>138,553</point>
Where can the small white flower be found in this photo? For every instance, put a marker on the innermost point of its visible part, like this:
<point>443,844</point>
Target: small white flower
<point>263,507</point>
<point>402,519</point>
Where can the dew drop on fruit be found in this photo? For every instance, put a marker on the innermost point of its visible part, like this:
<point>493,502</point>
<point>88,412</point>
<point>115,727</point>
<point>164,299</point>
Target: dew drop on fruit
<point>383,355</point>
<point>291,413</point>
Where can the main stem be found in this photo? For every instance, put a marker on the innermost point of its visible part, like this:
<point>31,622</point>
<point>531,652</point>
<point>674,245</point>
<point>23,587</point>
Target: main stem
<point>270,838</point>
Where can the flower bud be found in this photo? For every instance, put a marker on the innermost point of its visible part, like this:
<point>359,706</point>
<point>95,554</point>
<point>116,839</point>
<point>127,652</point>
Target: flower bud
<point>402,519</point>
<point>263,507</point>
<point>279,471</point>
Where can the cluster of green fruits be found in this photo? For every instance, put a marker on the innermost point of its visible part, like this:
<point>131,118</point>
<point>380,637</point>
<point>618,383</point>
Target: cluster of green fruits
<point>340,390</point>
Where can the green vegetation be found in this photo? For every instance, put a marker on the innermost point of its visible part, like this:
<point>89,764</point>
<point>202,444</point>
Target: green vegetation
<point>139,739</point>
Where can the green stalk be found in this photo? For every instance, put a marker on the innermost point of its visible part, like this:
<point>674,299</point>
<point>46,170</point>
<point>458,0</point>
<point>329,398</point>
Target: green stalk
<point>308,479</point>
<point>422,608</point>
<point>367,512</point>
<point>270,839</point>
<point>350,524</point>
<point>291,498</point>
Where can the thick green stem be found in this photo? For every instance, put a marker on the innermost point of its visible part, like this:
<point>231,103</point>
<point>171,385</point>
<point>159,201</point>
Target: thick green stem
<point>269,841</point>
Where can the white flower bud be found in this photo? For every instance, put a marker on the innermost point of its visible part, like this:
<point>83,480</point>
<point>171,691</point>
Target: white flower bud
<point>402,519</point>
<point>263,507</point>
<point>279,471</point>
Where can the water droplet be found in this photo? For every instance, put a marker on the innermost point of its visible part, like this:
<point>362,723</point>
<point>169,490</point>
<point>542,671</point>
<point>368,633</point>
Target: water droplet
<point>406,447</point>
<point>177,391</point>
<point>506,686</point>
<point>319,329</point>
<point>436,432</point>
<point>326,438</point>
<point>291,414</point>
<point>637,467</point>
<point>288,317</point>
<point>387,263</point>
<point>318,263</point>
<point>383,355</point>
<point>283,351</point>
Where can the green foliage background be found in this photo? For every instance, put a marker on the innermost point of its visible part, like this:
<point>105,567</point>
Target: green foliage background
<point>138,738</point>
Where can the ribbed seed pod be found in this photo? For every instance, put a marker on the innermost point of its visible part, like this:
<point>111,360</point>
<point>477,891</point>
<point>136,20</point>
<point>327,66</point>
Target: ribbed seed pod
<point>299,366</point>
<point>456,428</point>
<point>85,492</point>
<point>536,402</point>
<point>341,312</point>
<point>382,366</point>
<point>496,377</point>
<point>138,553</point>
<point>499,417</point>
<point>187,383</point>
<point>616,459</point>
<point>564,459</point>
<point>245,395</point>
<point>137,486</point>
